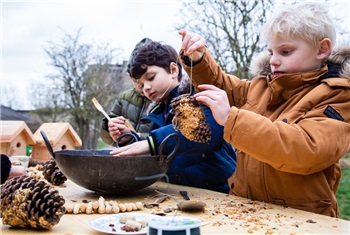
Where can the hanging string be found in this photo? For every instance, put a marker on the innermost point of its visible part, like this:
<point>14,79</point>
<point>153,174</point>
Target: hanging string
<point>191,63</point>
<point>191,76</point>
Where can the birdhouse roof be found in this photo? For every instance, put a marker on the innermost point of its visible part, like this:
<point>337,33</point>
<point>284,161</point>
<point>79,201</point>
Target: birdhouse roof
<point>9,130</point>
<point>55,131</point>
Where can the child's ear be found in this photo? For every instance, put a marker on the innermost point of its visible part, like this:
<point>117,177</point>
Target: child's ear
<point>325,48</point>
<point>174,69</point>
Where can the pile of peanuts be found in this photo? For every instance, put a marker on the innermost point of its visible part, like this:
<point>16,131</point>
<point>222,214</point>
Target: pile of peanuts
<point>102,207</point>
<point>35,172</point>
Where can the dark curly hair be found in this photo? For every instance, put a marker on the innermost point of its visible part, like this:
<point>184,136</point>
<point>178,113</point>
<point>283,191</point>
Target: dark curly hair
<point>153,53</point>
<point>143,41</point>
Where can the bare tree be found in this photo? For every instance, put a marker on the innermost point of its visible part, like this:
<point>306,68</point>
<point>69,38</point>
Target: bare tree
<point>47,99</point>
<point>9,98</point>
<point>84,71</point>
<point>231,29</point>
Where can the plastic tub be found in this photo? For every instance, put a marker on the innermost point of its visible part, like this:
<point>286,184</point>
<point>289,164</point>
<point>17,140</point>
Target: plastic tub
<point>178,225</point>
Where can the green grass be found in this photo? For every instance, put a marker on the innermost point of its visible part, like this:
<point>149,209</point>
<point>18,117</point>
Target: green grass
<point>343,194</point>
<point>101,144</point>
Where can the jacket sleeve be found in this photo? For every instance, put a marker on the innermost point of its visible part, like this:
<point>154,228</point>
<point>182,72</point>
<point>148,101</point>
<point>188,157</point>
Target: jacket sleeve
<point>144,129</point>
<point>188,146</point>
<point>309,144</point>
<point>305,147</point>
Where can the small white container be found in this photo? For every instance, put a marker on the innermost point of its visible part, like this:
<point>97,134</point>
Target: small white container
<point>178,225</point>
<point>20,160</point>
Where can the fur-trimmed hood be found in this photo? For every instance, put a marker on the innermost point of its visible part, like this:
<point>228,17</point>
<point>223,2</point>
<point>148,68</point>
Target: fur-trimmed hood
<point>184,86</point>
<point>260,66</point>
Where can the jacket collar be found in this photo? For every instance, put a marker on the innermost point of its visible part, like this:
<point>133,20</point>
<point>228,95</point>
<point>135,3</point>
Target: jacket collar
<point>159,107</point>
<point>286,85</point>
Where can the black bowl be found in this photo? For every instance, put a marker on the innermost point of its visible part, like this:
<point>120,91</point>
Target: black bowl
<point>98,171</point>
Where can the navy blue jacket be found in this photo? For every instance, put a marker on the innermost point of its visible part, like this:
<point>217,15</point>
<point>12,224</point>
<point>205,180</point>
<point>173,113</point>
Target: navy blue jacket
<point>202,165</point>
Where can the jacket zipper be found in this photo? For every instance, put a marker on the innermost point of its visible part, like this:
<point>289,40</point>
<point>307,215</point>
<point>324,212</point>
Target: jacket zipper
<point>140,115</point>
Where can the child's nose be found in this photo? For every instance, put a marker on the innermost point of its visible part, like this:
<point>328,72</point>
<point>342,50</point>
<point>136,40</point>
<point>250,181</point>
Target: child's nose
<point>146,86</point>
<point>274,60</point>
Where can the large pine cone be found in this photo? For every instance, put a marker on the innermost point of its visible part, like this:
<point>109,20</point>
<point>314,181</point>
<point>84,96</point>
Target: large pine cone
<point>189,118</point>
<point>27,202</point>
<point>52,173</point>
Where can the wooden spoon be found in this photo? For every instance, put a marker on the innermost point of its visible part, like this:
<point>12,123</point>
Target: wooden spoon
<point>100,108</point>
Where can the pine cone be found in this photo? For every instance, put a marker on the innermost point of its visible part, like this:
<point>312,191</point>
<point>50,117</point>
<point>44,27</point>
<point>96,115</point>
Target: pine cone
<point>27,202</point>
<point>189,118</point>
<point>34,163</point>
<point>52,173</point>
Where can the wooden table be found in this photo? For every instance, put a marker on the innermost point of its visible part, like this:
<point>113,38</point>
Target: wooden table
<point>224,214</point>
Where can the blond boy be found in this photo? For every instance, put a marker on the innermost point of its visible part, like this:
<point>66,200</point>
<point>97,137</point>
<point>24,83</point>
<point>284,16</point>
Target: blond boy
<point>291,122</point>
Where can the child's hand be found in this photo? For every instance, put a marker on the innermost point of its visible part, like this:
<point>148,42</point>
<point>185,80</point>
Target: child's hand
<point>216,99</point>
<point>117,126</point>
<point>17,170</point>
<point>193,45</point>
<point>137,148</point>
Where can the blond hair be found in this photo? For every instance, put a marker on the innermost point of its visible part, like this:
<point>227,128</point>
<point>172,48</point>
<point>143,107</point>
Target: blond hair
<point>308,21</point>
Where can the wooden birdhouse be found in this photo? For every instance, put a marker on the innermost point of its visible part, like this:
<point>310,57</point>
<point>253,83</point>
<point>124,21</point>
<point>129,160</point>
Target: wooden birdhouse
<point>15,137</point>
<point>61,137</point>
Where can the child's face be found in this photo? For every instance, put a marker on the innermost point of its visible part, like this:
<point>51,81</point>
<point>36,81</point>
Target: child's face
<point>137,86</point>
<point>156,83</point>
<point>292,55</point>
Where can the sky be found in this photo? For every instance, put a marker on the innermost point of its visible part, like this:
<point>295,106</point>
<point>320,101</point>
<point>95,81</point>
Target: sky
<point>27,26</point>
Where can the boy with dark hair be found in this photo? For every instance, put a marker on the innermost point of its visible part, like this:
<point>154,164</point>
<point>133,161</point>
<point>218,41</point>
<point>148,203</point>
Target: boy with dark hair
<point>157,70</point>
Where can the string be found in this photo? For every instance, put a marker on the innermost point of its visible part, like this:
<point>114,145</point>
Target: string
<point>191,76</point>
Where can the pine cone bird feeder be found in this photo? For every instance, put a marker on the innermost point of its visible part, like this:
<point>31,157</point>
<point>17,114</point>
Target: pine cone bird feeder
<point>27,202</point>
<point>189,118</point>
<point>52,173</point>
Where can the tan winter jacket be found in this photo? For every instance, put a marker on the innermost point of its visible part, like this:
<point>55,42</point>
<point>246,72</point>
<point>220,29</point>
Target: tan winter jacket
<point>290,131</point>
